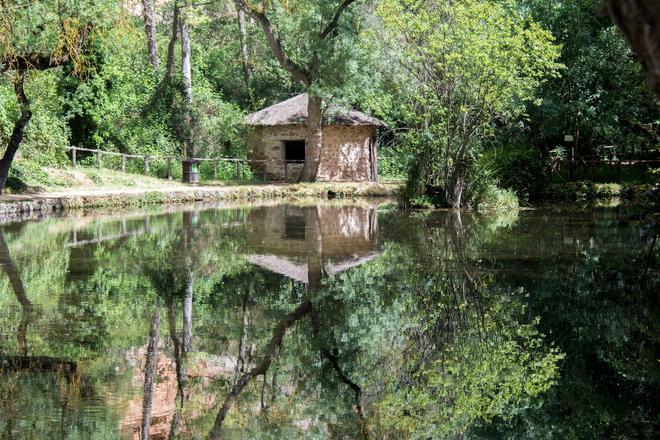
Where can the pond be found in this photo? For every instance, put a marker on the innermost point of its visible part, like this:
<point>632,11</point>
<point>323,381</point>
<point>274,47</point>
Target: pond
<point>336,320</point>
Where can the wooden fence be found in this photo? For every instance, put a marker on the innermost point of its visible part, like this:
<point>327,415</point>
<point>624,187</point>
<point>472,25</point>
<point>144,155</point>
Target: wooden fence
<point>147,159</point>
<point>589,167</point>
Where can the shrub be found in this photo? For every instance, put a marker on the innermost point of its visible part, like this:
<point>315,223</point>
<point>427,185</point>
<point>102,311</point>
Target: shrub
<point>393,163</point>
<point>24,174</point>
<point>519,168</point>
<point>498,200</point>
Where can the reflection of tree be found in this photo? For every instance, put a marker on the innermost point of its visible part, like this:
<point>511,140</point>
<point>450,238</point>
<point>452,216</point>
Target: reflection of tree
<point>27,309</point>
<point>472,356</point>
<point>149,373</point>
<point>242,360</point>
<point>270,353</point>
<point>333,359</point>
<point>180,357</point>
<point>165,279</point>
<point>596,286</point>
<point>23,361</point>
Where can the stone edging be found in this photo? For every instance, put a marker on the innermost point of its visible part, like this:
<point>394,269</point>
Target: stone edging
<point>40,205</point>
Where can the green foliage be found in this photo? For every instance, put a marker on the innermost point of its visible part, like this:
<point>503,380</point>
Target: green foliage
<point>462,68</point>
<point>519,168</point>
<point>601,97</point>
<point>583,190</point>
<point>490,373</point>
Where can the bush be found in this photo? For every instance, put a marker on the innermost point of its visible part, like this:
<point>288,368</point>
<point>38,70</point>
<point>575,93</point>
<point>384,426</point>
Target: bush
<point>24,174</point>
<point>498,200</point>
<point>519,168</point>
<point>583,190</point>
<point>393,163</point>
<point>653,175</point>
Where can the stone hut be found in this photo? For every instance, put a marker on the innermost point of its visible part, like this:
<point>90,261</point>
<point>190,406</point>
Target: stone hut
<point>278,137</point>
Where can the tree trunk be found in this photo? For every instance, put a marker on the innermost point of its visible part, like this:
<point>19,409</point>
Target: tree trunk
<point>187,313</point>
<point>640,22</point>
<point>314,139</point>
<point>149,373</point>
<point>455,190</point>
<point>245,53</point>
<point>169,72</point>
<point>188,147</point>
<point>150,28</point>
<point>17,133</point>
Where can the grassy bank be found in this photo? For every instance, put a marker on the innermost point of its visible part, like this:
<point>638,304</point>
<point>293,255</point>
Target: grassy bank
<point>586,191</point>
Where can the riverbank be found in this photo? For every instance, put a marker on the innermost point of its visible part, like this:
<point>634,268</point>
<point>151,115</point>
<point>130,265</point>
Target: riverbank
<point>585,191</point>
<point>169,193</point>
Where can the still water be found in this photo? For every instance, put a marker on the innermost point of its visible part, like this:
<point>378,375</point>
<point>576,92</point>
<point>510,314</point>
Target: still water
<point>339,320</point>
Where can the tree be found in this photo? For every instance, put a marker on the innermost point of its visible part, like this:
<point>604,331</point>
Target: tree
<point>600,97</point>
<point>148,16</point>
<point>34,38</point>
<point>463,68</point>
<point>309,67</point>
<point>186,73</point>
<point>245,52</point>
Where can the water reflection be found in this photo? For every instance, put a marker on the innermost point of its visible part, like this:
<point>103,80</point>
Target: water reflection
<point>329,321</point>
<point>308,243</point>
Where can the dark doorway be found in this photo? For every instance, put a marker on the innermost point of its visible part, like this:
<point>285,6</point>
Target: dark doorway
<point>294,150</point>
<point>294,224</point>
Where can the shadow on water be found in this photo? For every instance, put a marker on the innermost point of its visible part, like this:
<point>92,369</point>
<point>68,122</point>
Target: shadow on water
<point>338,320</point>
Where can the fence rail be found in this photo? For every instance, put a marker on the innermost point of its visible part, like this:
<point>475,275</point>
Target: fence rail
<point>590,167</point>
<point>147,159</point>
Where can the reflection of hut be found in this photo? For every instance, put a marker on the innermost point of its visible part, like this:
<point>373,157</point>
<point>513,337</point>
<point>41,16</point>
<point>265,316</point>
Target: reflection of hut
<point>306,243</point>
<point>349,142</point>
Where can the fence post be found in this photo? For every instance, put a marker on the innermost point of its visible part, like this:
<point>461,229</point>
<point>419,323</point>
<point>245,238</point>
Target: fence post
<point>98,159</point>
<point>215,169</point>
<point>146,165</point>
<point>123,163</point>
<point>169,168</point>
<point>73,156</point>
<point>238,170</point>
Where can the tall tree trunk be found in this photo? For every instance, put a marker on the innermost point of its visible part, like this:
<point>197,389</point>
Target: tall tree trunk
<point>149,373</point>
<point>17,133</point>
<point>245,52</point>
<point>169,71</point>
<point>189,150</point>
<point>314,139</point>
<point>150,28</point>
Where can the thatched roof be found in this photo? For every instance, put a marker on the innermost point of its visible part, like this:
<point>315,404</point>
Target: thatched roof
<point>298,271</point>
<point>294,112</point>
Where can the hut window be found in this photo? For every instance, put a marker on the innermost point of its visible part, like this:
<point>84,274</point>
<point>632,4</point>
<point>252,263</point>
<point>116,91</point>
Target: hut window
<point>294,150</point>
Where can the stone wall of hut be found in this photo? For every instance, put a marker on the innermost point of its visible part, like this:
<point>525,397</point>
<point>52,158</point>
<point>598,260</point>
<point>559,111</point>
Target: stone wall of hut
<point>348,154</point>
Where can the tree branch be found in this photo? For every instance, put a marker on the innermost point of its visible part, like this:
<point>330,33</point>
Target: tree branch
<point>275,44</point>
<point>42,61</point>
<point>335,19</point>
<point>270,353</point>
